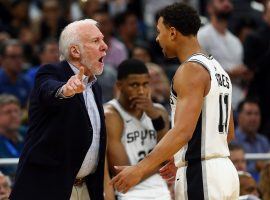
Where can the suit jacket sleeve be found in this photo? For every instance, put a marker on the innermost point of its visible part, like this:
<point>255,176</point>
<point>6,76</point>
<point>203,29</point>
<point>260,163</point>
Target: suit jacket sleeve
<point>48,81</point>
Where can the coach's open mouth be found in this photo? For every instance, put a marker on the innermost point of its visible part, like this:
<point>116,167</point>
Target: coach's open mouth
<point>101,59</point>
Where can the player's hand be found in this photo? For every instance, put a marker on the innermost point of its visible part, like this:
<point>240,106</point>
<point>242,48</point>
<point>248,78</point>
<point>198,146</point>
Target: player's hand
<point>127,177</point>
<point>74,85</point>
<point>168,171</point>
<point>145,104</point>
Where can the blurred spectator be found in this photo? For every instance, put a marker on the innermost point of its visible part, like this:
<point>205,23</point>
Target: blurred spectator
<point>217,40</point>
<point>90,7</point>
<point>159,82</point>
<point>117,51</point>
<point>48,53</point>
<point>256,55</point>
<point>28,40</point>
<point>11,132</point>
<point>52,22</point>
<point>264,184</point>
<point>12,81</point>
<point>126,24</point>
<point>244,9</point>
<point>5,186</point>
<point>20,17</point>
<point>4,36</point>
<point>151,7</point>
<point>248,185</point>
<point>244,27</point>
<point>237,156</point>
<point>107,82</point>
<point>247,135</point>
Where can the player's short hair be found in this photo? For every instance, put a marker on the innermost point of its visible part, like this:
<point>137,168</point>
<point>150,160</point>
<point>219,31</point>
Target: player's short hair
<point>131,66</point>
<point>182,17</point>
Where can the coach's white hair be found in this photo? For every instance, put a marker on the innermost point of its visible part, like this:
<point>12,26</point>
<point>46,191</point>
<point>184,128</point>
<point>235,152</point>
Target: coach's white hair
<point>70,36</point>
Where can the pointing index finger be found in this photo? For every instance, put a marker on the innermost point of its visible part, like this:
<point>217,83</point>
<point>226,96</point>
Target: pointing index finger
<point>81,73</point>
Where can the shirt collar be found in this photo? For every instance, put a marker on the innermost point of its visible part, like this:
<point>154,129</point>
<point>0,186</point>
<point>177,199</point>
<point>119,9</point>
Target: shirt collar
<point>85,78</point>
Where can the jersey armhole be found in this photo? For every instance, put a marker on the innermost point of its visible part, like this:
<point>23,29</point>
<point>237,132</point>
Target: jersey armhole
<point>203,65</point>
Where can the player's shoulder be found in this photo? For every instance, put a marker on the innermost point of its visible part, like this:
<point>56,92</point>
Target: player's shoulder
<point>190,75</point>
<point>191,70</point>
<point>112,116</point>
<point>109,109</point>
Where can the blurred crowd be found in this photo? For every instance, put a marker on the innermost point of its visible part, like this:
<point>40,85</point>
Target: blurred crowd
<point>235,32</point>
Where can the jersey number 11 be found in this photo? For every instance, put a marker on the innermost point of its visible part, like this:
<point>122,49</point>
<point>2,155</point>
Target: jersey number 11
<point>223,113</point>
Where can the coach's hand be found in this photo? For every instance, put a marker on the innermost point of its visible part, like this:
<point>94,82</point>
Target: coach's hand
<point>74,85</point>
<point>128,177</point>
<point>168,171</point>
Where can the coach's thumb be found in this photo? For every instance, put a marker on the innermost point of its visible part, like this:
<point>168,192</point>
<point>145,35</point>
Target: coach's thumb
<point>81,73</point>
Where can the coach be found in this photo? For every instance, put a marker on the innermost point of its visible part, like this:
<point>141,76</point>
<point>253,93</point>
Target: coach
<point>63,157</point>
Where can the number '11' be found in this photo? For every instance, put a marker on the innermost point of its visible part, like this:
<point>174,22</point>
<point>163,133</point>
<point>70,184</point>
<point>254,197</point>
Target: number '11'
<point>223,113</point>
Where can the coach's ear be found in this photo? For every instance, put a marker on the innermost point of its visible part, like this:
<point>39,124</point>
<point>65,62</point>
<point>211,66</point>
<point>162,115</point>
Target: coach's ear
<point>173,33</point>
<point>75,52</point>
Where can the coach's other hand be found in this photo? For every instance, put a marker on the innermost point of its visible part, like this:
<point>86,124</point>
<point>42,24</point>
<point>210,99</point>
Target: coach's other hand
<point>128,177</point>
<point>74,85</point>
<point>168,171</point>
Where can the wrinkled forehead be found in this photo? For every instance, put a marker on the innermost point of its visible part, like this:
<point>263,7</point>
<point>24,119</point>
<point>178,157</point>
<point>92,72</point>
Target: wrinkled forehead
<point>89,31</point>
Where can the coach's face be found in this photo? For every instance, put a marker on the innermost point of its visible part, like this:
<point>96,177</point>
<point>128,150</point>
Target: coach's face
<point>92,49</point>
<point>165,38</point>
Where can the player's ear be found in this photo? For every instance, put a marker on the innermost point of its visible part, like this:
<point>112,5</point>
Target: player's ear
<point>173,33</point>
<point>75,51</point>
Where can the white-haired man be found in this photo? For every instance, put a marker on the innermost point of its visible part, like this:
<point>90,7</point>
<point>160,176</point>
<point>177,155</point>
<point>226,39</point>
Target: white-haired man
<point>63,157</point>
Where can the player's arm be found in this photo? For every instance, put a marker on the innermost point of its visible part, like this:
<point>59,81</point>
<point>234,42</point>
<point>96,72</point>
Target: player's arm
<point>231,135</point>
<point>108,189</point>
<point>191,84</point>
<point>115,149</point>
<point>163,112</point>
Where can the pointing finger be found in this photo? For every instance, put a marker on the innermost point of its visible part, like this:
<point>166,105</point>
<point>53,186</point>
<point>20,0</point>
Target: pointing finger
<point>81,73</point>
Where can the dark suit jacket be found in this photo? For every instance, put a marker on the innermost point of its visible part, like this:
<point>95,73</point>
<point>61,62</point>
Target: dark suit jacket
<point>58,139</point>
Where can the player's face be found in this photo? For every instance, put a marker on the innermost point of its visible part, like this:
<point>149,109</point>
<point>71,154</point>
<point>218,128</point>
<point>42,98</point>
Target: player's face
<point>163,38</point>
<point>93,49</point>
<point>135,85</point>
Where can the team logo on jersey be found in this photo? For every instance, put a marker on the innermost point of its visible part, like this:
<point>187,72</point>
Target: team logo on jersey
<point>141,135</point>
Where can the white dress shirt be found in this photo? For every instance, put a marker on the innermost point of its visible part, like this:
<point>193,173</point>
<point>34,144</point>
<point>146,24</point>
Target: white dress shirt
<point>91,159</point>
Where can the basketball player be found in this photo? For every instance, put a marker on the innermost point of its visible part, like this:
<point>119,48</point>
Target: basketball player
<point>202,122</point>
<point>134,126</point>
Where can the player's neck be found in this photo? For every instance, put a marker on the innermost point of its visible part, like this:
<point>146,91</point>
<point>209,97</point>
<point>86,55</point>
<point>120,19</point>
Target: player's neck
<point>188,48</point>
